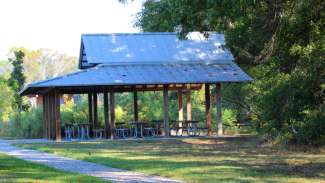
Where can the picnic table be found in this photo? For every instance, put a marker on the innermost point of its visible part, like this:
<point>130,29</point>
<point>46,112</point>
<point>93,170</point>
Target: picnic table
<point>137,127</point>
<point>83,130</point>
<point>188,126</point>
<point>68,131</point>
<point>159,125</point>
<point>120,129</point>
<point>98,133</point>
<point>192,127</point>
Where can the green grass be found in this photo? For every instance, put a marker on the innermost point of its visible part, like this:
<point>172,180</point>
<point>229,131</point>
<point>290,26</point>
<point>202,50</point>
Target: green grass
<point>16,170</point>
<point>238,159</point>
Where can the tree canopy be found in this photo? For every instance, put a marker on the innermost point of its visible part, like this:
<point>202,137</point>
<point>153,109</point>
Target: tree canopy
<point>43,63</point>
<point>280,43</point>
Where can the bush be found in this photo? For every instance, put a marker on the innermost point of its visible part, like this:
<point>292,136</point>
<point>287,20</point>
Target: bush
<point>292,110</point>
<point>27,124</point>
<point>74,113</point>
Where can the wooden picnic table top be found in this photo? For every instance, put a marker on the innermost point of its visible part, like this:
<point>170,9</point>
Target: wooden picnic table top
<point>185,121</point>
<point>120,123</point>
<point>157,121</point>
<point>69,124</point>
<point>138,122</point>
<point>83,124</point>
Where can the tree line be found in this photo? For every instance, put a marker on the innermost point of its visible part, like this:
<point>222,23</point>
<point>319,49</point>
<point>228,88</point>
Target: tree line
<point>281,44</point>
<point>23,66</point>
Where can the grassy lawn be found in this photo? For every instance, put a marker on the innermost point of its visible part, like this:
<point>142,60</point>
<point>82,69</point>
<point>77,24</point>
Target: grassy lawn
<point>16,170</point>
<point>238,159</point>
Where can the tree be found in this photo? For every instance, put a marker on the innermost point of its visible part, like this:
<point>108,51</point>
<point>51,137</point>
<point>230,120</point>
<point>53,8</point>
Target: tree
<point>279,43</point>
<point>42,64</point>
<point>17,78</point>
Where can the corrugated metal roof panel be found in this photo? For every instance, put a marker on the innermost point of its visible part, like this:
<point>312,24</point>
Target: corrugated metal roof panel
<point>154,48</point>
<point>135,74</point>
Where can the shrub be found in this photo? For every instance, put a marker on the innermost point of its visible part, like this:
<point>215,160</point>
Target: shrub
<point>74,113</point>
<point>27,124</point>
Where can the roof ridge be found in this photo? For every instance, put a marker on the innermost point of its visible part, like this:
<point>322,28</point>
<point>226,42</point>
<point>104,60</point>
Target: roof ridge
<point>138,33</point>
<point>131,33</point>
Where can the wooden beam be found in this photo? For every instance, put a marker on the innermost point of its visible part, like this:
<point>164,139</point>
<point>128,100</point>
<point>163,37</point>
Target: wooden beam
<point>106,116</point>
<point>166,115</point>
<point>90,108</point>
<point>188,106</point>
<point>208,108</point>
<point>95,110</point>
<point>112,114</point>
<point>135,106</point>
<point>125,88</point>
<point>219,112</point>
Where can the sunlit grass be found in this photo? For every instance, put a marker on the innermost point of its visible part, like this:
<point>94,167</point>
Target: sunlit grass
<point>15,170</point>
<point>239,159</point>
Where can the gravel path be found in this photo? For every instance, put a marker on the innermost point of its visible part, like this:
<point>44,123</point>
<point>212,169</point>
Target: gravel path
<point>78,166</point>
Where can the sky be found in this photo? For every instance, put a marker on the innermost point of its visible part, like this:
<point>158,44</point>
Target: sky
<point>58,24</point>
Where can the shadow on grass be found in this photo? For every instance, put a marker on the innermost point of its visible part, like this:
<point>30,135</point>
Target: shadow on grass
<point>16,170</point>
<point>210,169</point>
<point>237,159</point>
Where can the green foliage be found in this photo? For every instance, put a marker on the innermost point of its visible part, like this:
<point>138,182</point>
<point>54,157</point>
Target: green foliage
<point>17,78</point>
<point>280,43</point>
<point>74,113</point>
<point>5,68</point>
<point>229,117</point>
<point>6,96</point>
<point>27,124</point>
<point>30,66</point>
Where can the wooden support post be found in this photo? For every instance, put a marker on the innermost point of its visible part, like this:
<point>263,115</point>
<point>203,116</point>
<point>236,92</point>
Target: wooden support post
<point>135,106</point>
<point>180,105</point>
<point>48,111</point>
<point>44,117</point>
<point>219,112</point>
<point>57,119</point>
<point>52,115</point>
<point>112,114</point>
<point>166,115</point>
<point>51,136</point>
<point>95,111</point>
<point>106,116</point>
<point>180,110</point>
<point>188,106</point>
<point>90,108</point>
<point>208,108</point>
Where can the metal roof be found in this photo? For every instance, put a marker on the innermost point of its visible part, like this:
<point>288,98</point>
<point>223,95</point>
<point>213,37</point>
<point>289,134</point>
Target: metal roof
<point>138,74</point>
<point>148,59</point>
<point>151,48</point>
